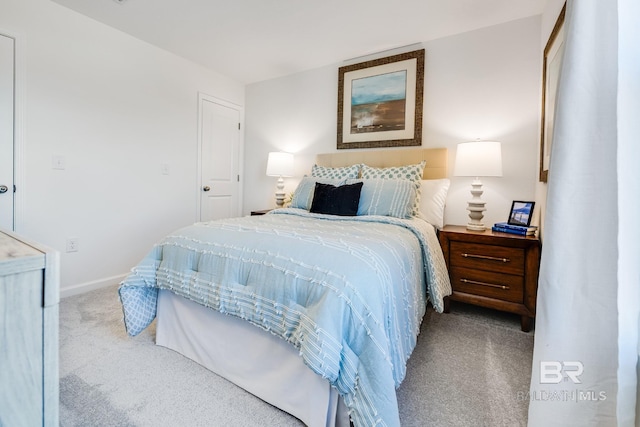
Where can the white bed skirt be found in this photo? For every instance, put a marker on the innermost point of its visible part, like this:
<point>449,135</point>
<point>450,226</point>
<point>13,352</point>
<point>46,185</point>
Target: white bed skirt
<point>251,358</point>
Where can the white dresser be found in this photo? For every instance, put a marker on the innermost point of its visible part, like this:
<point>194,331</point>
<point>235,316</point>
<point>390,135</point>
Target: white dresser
<point>29,296</point>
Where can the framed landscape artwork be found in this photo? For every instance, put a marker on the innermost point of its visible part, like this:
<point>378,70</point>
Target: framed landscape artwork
<point>380,102</point>
<point>553,52</point>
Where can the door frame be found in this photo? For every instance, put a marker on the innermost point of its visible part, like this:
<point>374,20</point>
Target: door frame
<point>209,98</point>
<point>18,126</point>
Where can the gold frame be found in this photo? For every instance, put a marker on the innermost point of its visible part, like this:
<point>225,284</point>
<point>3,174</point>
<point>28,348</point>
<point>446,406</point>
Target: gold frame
<point>413,64</point>
<point>550,71</point>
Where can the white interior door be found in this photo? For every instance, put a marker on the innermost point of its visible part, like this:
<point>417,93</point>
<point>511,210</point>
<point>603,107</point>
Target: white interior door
<point>219,159</point>
<point>7,92</point>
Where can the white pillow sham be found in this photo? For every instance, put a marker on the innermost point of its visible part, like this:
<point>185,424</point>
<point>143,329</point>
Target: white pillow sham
<point>433,199</point>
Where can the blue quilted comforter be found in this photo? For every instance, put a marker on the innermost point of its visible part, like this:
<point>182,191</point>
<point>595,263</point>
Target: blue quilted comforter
<point>348,292</point>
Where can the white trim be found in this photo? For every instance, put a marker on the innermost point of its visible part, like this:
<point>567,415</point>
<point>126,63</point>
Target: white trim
<point>201,96</point>
<point>18,124</point>
<point>91,286</point>
<point>19,138</point>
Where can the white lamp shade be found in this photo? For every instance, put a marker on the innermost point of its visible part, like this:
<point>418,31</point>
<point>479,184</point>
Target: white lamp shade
<point>280,164</point>
<point>478,158</point>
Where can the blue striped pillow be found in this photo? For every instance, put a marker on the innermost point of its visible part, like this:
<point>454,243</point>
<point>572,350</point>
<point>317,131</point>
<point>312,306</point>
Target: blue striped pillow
<point>386,197</point>
<point>412,173</point>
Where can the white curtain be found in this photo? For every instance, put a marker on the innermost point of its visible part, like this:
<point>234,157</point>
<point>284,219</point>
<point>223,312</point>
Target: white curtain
<point>629,209</point>
<point>586,341</point>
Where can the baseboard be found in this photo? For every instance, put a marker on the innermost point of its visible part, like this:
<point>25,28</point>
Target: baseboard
<point>91,286</point>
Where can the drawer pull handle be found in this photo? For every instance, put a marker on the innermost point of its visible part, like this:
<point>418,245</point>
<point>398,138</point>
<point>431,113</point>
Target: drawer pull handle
<point>491,258</point>
<point>491,285</point>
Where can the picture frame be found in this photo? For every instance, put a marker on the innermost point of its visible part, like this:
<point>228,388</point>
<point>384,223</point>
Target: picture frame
<point>380,102</point>
<point>521,213</point>
<point>551,63</point>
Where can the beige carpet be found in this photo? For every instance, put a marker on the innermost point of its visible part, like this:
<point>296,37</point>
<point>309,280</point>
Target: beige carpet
<point>470,368</point>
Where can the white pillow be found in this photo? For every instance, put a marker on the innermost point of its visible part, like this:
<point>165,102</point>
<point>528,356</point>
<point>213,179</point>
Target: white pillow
<point>432,200</point>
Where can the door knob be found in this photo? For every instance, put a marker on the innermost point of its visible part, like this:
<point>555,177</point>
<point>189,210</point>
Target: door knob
<point>206,188</point>
<point>3,189</point>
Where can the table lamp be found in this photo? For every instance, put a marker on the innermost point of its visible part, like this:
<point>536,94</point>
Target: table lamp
<point>280,164</point>
<point>477,159</point>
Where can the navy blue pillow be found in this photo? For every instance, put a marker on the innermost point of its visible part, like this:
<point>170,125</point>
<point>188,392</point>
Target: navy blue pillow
<point>342,200</point>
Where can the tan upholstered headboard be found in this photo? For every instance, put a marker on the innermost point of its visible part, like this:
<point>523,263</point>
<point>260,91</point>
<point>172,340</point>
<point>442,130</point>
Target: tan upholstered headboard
<point>435,168</point>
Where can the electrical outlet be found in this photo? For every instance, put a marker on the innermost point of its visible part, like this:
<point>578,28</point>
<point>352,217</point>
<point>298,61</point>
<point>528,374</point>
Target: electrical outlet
<point>72,244</point>
<point>164,168</point>
<point>58,162</point>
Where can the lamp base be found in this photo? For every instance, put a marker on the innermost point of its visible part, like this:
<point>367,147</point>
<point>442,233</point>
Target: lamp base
<point>280,199</point>
<point>280,194</point>
<point>475,217</point>
<point>476,207</point>
<point>476,227</point>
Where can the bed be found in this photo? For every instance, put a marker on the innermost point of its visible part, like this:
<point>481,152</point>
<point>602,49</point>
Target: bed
<point>337,298</point>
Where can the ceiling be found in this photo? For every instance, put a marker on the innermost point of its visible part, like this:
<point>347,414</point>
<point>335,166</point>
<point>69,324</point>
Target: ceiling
<point>255,40</point>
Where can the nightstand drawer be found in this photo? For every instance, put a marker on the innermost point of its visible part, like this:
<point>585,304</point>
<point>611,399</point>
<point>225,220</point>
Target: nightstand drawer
<point>505,287</point>
<point>487,257</point>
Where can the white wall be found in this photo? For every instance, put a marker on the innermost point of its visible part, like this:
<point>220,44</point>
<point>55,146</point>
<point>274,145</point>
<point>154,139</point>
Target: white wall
<point>482,84</point>
<point>116,109</point>
<point>296,114</point>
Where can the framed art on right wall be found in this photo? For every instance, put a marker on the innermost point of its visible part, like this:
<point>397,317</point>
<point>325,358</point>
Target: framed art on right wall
<point>551,63</point>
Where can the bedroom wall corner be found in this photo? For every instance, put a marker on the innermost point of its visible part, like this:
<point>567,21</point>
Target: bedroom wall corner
<point>114,109</point>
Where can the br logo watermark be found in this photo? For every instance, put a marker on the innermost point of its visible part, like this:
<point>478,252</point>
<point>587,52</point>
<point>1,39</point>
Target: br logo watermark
<point>556,372</point>
<point>553,372</point>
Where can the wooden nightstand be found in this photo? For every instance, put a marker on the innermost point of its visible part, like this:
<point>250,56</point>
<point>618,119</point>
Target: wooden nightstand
<point>494,270</point>
<point>262,212</point>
